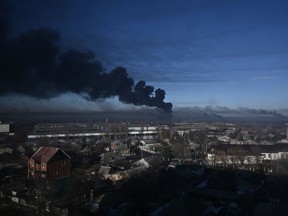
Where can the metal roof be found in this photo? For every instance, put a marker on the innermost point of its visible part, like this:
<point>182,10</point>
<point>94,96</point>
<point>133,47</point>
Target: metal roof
<point>45,154</point>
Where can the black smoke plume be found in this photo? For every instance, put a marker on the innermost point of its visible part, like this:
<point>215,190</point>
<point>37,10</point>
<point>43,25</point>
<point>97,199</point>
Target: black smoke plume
<point>32,64</point>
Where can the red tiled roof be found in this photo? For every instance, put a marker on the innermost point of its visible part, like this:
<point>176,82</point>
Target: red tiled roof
<point>44,154</point>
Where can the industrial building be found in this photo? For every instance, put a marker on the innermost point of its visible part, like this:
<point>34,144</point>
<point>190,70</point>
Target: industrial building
<point>100,130</point>
<point>7,128</point>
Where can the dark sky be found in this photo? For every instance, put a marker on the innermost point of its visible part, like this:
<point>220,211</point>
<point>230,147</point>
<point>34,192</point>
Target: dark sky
<point>202,52</point>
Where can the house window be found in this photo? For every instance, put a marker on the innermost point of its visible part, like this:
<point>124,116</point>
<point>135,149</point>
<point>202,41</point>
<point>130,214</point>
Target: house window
<point>64,163</point>
<point>32,165</point>
<point>56,172</point>
<point>37,166</point>
<point>43,166</point>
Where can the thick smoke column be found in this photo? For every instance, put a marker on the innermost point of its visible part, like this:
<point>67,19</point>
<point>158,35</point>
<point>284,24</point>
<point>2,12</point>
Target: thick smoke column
<point>32,64</point>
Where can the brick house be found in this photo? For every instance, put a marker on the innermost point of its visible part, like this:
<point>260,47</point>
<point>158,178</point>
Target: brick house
<point>49,163</point>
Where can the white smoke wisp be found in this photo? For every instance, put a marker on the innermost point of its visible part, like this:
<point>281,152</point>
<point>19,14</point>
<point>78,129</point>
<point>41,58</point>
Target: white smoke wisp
<point>67,103</point>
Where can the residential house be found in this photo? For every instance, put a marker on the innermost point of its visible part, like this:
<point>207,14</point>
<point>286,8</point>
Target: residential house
<point>126,174</point>
<point>122,150</point>
<point>110,157</point>
<point>152,148</point>
<point>148,162</point>
<point>103,172</point>
<point>49,163</point>
<point>246,154</point>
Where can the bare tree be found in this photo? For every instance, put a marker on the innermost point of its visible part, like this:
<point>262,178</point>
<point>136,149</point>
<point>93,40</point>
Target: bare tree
<point>181,149</point>
<point>221,158</point>
<point>164,134</point>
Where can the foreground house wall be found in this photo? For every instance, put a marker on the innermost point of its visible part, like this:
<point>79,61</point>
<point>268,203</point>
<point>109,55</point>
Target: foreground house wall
<point>49,163</point>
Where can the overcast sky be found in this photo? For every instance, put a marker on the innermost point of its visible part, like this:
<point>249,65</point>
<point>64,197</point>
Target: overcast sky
<point>202,52</point>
